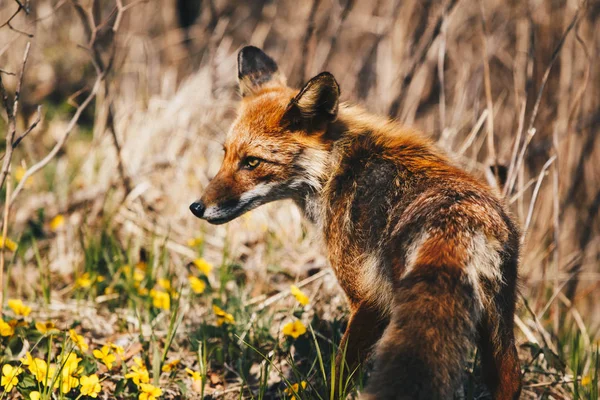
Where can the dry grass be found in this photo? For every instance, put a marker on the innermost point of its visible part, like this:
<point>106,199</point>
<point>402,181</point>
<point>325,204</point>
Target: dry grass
<point>509,83</point>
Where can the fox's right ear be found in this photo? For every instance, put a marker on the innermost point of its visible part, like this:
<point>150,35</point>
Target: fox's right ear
<point>315,105</point>
<point>256,70</point>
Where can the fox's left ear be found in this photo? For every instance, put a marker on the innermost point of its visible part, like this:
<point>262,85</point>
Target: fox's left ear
<point>315,106</point>
<point>256,70</point>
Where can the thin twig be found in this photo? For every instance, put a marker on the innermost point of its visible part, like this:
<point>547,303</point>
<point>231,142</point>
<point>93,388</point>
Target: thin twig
<point>538,100</point>
<point>11,113</point>
<point>469,140</point>
<point>535,195</point>
<point>515,151</point>
<point>58,146</point>
<point>488,93</point>
<point>31,127</point>
<point>20,7</point>
<point>4,239</point>
<point>103,68</point>
<point>310,29</point>
<point>420,54</point>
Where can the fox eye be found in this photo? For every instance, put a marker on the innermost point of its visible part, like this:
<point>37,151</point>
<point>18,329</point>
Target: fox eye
<point>251,162</point>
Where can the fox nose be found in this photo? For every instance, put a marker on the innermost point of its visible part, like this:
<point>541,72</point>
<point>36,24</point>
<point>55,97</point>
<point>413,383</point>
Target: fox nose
<point>197,208</point>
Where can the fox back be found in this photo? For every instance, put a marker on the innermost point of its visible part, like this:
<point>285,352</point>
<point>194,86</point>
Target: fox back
<point>426,254</point>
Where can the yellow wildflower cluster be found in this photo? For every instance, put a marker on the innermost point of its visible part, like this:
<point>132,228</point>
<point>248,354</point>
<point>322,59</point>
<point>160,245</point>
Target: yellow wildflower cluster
<point>8,244</point>
<point>140,377</point>
<point>171,365</point>
<point>90,385</point>
<point>195,375</point>
<point>160,299</point>
<point>57,222</point>
<point>106,355</point>
<point>294,329</point>
<point>47,328</point>
<point>149,392</point>
<point>78,340</point>
<point>203,266</point>
<point>222,316</point>
<point>198,285</point>
<point>18,307</point>
<point>139,373</point>
<point>299,295</point>
<point>7,328</point>
<point>195,242</point>
<point>10,377</point>
<point>84,281</point>
<point>295,389</point>
<point>138,274</point>
<point>66,376</point>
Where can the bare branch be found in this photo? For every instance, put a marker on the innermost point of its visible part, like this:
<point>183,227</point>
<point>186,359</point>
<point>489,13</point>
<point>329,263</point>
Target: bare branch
<point>11,113</point>
<point>31,127</point>
<point>512,174</point>
<point>9,20</point>
<point>43,162</point>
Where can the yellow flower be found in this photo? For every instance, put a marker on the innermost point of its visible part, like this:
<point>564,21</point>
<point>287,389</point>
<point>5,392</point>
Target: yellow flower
<point>195,375</point>
<point>18,307</point>
<point>78,340</point>
<point>57,223</point>
<point>6,329</point>
<point>10,377</point>
<point>20,174</point>
<point>294,329</point>
<point>42,372</point>
<point>47,327</point>
<point>71,363</point>
<point>109,290</point>
<point>27,360</point>
<point>142,291</point>
<point>138,275</point>
<point>69,368</point>
<point>9,244</point>
<point>299,295</point>
<point>295,389</point>
<point>118,349</point>
<point>197,284</point>
<point>160,299</point>
<point>586,380</point>
<point>195,242</point>
<point>164,283</point>
<point>35,395</point>
<point>149,392</point>
<point>139,373</point>
<point>68,382</point>
<point>222,316</point>
<point>203,266</point>
<point>106,356</point>
<point>142,266</point>
<point>84,281</point>
<point>90,385</point>
<point>171,365</point>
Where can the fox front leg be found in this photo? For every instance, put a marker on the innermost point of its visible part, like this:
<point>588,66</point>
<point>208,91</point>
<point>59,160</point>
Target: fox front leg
<point>365,327</point>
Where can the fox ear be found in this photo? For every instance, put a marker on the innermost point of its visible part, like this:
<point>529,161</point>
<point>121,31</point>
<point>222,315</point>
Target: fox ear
<point>255,70</point>
<point>316,105</point>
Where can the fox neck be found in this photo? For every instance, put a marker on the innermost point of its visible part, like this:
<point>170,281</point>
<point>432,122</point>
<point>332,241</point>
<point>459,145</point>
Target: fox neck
<point>317,165</point>
<point>320,164</point>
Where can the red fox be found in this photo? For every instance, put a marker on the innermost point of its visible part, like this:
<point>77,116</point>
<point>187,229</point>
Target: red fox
<point>426,254</point>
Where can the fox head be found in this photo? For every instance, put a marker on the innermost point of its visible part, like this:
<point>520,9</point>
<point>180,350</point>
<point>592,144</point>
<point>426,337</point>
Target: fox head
<point>277,146</point>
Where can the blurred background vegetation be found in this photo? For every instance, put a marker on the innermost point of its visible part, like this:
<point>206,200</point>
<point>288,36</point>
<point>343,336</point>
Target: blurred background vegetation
<point>129,101</point>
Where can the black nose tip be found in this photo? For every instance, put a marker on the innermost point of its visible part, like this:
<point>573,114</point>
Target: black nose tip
<point>197,208</point>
